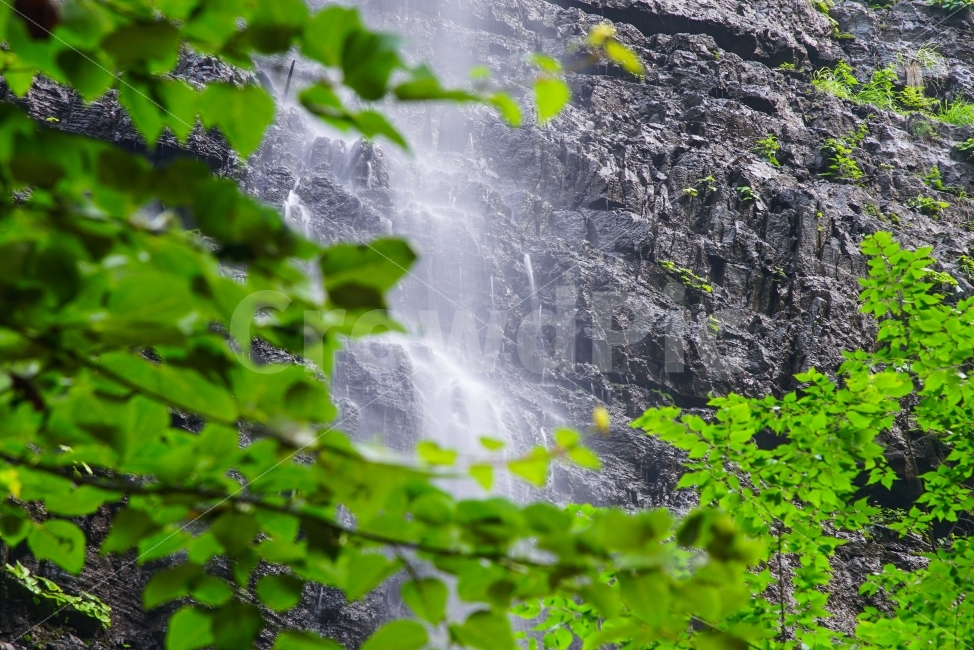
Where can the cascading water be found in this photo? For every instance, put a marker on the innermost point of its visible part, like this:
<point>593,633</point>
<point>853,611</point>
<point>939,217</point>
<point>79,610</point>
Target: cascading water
<point>295,213</point>
<point>463,370</point>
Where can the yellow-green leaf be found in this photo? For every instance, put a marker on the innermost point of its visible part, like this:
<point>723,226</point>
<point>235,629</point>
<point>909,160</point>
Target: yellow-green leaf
<point>550,95</point>
<point>507,107</point>
<point>433,454</point>
<point>625,57</point>
<point>483,474</point>
<point>533,468</point>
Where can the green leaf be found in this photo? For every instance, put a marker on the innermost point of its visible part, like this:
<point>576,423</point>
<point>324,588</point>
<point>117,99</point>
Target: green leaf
<point>433,454</point>
<point>567,438</point>
<point>235,532</point>
<point>545,62</point>
<point>128,528</point>
<point>367,62</point>
<point>433,508</point>
<point>146,111</point>
<point>357,275</point>
<point>397,635</point>
<point>646,594</point>
<point>181,387</point>
<point>558,639</point>
<point>236,626</point>
<point>60,542</point>
<point>425,86</point>
<point>485,630</point>
<point>366,571</point>
<point>15,525</point>
<point>625,57</point>
<point>180,102</point>
<point>483,474</point>
<point>550,96</point>
<point>326,33</point>
<point>203,547</point>
<point>86,72</point>
<point>492,444</point>
<point>533,467</point>
<point>170,584</point>
<point>280,526</point>
<point>584,457</point>
<point>189,629</point>
<point>507,107</point>
<point>304,641</point>
<point>427,598</point>
<point>242,114</point>
<point>212,591</point>
<point>372,124</point>
<point>154,45</point>
<point>280,592</point>
<point>83,501</point>
<point>321,100</point>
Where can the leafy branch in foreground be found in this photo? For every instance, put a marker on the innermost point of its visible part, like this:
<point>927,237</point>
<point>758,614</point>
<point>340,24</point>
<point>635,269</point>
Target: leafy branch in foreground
<point>116,318</point>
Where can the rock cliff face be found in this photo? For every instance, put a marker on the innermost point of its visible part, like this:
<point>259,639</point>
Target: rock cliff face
<point>607,224</point>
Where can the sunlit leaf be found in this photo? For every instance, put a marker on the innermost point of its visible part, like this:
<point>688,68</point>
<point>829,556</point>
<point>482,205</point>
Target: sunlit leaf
<point>550,96</point>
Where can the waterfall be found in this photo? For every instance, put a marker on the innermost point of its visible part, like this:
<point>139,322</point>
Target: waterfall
<point>295,213</point>
<point>535,301</point>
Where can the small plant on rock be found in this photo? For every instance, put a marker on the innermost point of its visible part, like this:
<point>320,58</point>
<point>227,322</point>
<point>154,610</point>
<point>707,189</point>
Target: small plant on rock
<point>966,148</point>
<point>934,180</point>
<point>787,66</point>
<point>928,206</point>
<point>878,91</point>
<point>709,183</point>
<point>913,99</point>
<point>745,193</point>
<point>966,264</point>
<point>768,149</point>
<point>951,5</point>
<point>838,152</point>
<point>838,81</point>
<point>690,191</point>
<point>942,278</point>
<point>686,276</point>
<point>959,112</point>
<point>44,590</point>
<point>873,211</point>
<point>923,129</point>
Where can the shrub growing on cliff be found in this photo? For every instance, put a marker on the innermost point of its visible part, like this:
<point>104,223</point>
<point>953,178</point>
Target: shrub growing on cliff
<point>768,149</point>
<point>880,91</point>
<point>952,6</point>
<point>792,469</point>
<point>928,206</point>
<point>959,112</point>
<point>839,155</point>
<point>839,81</point>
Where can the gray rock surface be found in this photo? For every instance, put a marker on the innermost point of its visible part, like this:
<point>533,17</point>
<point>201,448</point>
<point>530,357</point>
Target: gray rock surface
<point>596,200</point>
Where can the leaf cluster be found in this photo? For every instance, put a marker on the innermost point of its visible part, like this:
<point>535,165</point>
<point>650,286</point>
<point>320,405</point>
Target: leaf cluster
<point>120,324</point>
<point>686,276</point>
<point>839,155</point>
<point>47,590</point>
<point>768,149</point>
<point>880,91</point>
<point>791,469</point>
